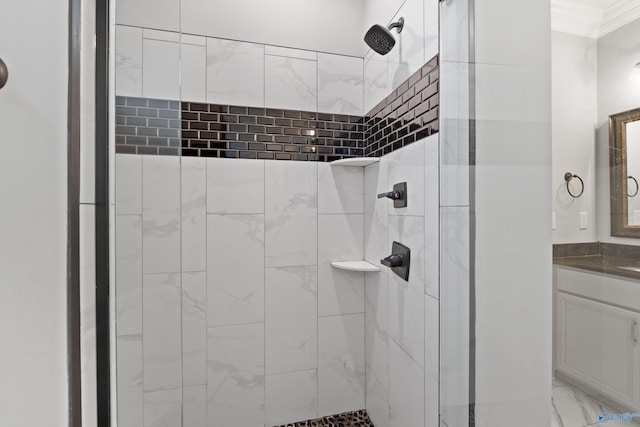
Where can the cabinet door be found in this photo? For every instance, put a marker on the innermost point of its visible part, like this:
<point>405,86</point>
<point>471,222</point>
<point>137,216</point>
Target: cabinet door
<point>596,344</point>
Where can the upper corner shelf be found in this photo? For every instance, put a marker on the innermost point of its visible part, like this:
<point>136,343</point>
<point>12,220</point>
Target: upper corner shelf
<point>355,266</point>
<point>356,161</point>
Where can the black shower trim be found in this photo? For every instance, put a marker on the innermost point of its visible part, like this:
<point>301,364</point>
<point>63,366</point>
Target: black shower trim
<point>161,127</point>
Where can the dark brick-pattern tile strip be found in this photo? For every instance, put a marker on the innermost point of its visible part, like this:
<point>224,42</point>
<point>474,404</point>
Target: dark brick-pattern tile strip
<point>147,126</point>
<point>407,115</point>
<point>212,130</point>
<point>161,127</point>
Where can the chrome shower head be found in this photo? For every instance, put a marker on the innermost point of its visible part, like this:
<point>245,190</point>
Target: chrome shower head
<point>380,38</point>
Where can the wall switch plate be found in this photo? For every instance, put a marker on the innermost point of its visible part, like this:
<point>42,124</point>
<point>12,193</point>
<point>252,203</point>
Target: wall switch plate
<point>553,220</point>
<point>584,221</point>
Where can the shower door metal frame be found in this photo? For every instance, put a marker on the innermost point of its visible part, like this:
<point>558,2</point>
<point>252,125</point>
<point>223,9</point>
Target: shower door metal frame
<point>74,364</point>
<point>103,338</point>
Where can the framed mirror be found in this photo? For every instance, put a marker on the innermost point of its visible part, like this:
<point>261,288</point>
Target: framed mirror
<point>624,166</point>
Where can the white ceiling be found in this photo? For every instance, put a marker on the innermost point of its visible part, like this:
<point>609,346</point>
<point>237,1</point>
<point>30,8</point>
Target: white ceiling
<point>592,18</point>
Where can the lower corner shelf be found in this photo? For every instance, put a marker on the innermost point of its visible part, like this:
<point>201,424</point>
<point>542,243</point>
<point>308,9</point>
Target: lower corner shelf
<point>356,161</point>
<point>355,266</point>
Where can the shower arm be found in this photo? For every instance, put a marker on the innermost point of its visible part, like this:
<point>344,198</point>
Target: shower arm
<point>397,25</point>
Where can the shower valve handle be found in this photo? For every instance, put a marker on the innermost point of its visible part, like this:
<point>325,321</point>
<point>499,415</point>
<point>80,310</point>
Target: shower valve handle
<point>398,195</point>
<point>395,260</point>
<point>393,195</point>
<point>399,261</point>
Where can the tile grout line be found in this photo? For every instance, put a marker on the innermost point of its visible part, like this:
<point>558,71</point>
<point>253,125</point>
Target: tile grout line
<point>230,40</point>
<point>364,285</point>
<point>181,199</point>
<point>142,162</point>
<point>181,277</point>
<point>264,76</point>
<point>206,288</point>
<point>206,70</point>
<point>264,275</point>
<point>317,178</point>
<point>142,62</point>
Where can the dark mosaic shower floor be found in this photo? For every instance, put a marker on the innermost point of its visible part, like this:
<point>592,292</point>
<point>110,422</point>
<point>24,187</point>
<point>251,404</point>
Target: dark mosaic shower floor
<point>348,419</point>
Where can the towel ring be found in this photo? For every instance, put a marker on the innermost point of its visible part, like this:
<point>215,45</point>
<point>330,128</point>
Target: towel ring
<point>568,177</point>
<point>637,188</point>
<point>4,73</point>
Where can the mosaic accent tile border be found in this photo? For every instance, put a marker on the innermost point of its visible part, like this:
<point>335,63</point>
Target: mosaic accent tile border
<point>147,126</point>
<point>407,115</point>
<point>166,127</point>
<point>347,419</point>
<point>211,130</point>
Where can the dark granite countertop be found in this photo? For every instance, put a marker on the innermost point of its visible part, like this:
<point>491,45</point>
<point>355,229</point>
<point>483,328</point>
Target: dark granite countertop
<point>615,265</point>
<point>609,258</point>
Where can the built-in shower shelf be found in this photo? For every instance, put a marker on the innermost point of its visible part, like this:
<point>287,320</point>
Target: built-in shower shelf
<point>356,161</point>
<point>355,266</point>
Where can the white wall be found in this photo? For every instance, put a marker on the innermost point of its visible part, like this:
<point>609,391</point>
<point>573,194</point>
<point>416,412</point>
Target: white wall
<point>332,26</point>
<point>33,129</point>
<point>574,115</point>
<point>512,222</point>
<point>586,71</point>
<point>618,52</point>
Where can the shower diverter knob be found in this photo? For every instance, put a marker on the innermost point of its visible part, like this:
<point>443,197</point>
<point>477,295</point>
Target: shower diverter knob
<point>399,261</point>
<point>393,261</point>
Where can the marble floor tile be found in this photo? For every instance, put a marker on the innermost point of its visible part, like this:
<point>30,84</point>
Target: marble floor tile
<point>558,383</point>
<point>571,407</point>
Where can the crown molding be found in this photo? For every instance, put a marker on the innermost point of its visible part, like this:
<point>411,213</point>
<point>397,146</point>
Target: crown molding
<point>618,15</point>
<point>576,17</point>
<point>592,18</point>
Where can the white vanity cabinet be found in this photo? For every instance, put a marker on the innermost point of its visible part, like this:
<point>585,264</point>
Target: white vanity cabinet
<point>596,336</point>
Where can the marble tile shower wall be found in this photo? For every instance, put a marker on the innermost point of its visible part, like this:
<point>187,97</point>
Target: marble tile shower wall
<point>243,321</point>
<point>228,311</point>
<point>402,318</point>
<point>181,67</point>
<point>314,101</point>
